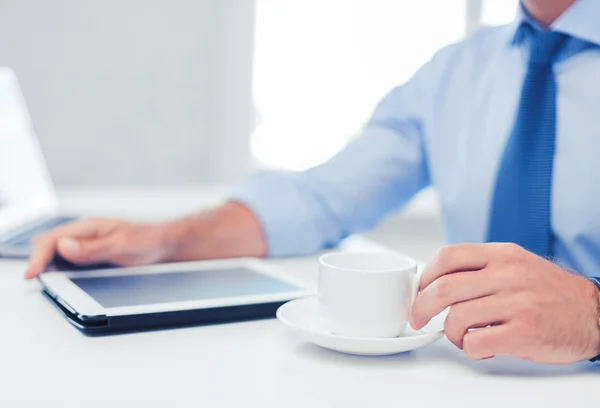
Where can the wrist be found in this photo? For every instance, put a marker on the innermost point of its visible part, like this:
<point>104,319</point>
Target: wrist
<point>230,230</point>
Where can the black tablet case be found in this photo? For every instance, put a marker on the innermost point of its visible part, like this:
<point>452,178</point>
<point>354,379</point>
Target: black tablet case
<point>104,325</point>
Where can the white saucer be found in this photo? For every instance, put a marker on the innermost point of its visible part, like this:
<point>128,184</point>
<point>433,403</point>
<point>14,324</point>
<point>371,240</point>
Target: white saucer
<point>301,315</point>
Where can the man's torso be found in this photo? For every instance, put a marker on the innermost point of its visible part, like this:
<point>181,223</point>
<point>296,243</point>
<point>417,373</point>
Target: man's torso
<point>466,130</point>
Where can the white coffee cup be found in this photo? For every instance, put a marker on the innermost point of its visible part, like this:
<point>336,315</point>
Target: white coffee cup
<point>366,295</point>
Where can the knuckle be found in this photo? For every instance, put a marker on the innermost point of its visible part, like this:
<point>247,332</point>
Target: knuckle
<point>512,263</point>
<point>446,253</point>
<point>457,314</point>
<point>513,248</point>
<point>444,289</point>
<point>454,338</point>
<point>477,346</point>
<point>512,252</point>
<point>472,347</point>
<point>454,327</point>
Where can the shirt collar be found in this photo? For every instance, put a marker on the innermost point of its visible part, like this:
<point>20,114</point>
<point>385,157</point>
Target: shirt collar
<point>579,21</point>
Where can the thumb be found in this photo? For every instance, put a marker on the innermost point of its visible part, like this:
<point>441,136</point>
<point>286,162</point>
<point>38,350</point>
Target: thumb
<point>86,251</point>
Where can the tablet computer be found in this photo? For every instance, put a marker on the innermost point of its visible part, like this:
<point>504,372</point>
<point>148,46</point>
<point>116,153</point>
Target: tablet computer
<point>177,294</point>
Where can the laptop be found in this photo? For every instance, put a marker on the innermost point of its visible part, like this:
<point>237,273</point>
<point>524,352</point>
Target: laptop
<point>28,205</point>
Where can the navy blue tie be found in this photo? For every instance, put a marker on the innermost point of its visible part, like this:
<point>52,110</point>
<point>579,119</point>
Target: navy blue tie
<point>520,210</point>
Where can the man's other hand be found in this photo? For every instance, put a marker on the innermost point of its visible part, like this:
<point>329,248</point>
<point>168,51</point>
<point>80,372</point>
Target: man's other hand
<point>100,240</point>
<point>231,230</point>
<point>506,300</point>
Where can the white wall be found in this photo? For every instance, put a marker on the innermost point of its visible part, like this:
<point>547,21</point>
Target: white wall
<point>135,91</point>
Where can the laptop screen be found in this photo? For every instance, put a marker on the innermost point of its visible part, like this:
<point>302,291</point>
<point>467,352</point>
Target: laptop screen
<point>26,192</point>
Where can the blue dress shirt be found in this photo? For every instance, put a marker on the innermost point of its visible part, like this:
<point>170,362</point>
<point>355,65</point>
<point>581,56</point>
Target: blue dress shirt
<point>447,127</point>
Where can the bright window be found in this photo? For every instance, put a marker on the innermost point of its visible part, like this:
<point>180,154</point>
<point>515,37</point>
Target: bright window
<point>322,66</point>
<point>497,12</point>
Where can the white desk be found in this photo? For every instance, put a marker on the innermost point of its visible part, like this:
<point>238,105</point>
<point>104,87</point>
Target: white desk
<point>253,364</point>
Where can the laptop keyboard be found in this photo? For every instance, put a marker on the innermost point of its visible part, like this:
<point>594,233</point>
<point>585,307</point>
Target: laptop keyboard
<point>25,239</point>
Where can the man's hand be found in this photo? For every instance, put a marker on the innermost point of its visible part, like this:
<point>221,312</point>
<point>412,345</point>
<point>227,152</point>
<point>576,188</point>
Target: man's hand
<point>506,300</point>
<point>100,240</point>
<point>230,230</point>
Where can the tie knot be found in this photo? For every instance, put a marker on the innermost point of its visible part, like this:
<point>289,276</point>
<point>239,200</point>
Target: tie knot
<point>545,46</point>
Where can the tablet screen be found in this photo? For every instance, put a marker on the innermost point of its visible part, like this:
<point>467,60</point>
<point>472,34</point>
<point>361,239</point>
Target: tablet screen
<point>136,290</point>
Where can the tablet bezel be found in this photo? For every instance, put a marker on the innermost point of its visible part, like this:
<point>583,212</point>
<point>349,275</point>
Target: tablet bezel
<point>60,286</point>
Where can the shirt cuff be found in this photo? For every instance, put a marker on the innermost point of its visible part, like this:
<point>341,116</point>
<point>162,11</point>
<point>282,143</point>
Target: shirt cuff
<point>289,218</point>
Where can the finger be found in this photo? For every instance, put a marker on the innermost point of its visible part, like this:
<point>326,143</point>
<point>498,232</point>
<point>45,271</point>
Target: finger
<point>43,251</point>
<point>477,313</point>
<point>88,251</point>
<point>488,342</point>
<point>452,289</point>
<point>462,257</point>
<point>45,246</point>
<point>81,229</point>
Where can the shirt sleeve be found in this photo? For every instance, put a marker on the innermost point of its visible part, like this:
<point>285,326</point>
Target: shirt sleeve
<point>304,212</point>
